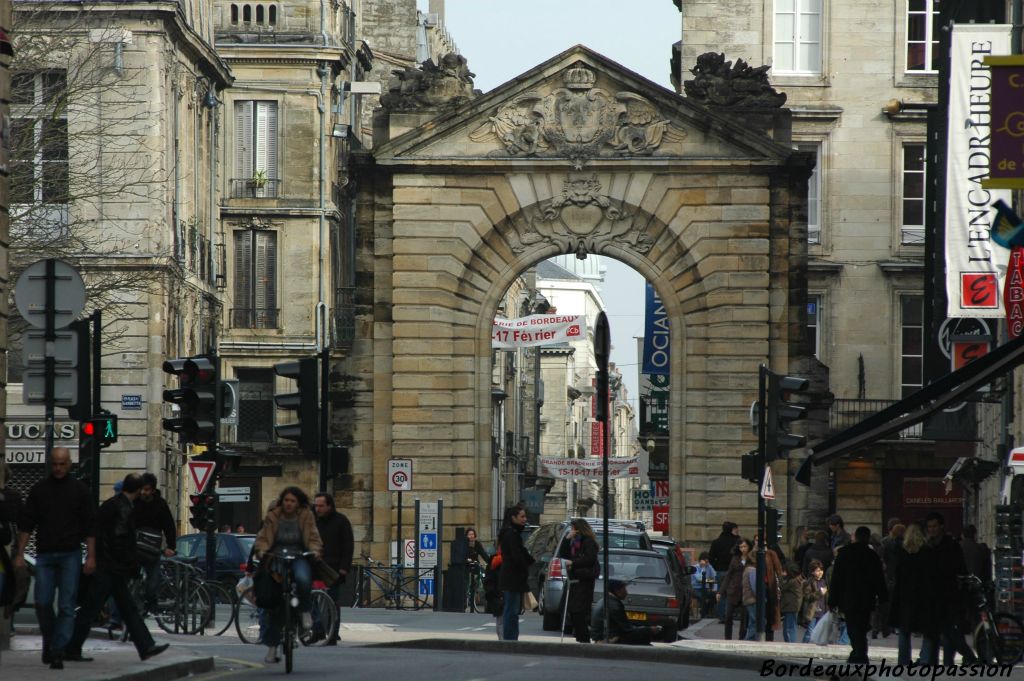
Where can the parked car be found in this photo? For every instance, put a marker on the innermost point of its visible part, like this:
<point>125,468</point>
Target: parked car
<point>232,553</point>
<point>677,561</point>
<point>547,576</point>
<point>654,588</point>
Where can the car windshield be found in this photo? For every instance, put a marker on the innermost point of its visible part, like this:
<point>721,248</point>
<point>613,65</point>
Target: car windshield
<point>641,568</point>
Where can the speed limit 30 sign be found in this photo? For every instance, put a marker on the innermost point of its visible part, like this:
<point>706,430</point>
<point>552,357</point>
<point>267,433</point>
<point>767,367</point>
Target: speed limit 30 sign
<point>399,475</point>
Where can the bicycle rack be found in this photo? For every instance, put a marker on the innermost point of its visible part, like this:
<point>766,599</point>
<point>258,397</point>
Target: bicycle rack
<point>390,587</point>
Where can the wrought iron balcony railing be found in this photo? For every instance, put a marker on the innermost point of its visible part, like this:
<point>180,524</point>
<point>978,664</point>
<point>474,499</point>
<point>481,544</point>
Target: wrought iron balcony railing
<point>254,318</point>
<point>248,188</point>
<point>849,412</point>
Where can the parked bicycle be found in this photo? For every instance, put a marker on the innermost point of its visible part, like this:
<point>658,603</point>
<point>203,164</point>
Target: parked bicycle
<point>999,636</point>
<point>390,586</point>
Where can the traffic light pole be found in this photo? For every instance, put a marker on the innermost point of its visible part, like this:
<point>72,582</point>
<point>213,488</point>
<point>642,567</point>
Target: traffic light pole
<point>94,455</point>
<point>211,522</point>
<point>325,372</point>
<point>762,379</point>
<point>49,361</point>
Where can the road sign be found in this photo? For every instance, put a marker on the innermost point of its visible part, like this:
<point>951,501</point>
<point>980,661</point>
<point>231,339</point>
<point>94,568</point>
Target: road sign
<point>232,498</point>
<point>68,294</point>
<point>410,553</point>
<point>768,486</point>
<point>63,349</point>
<point>427,520</point>
<point>234,490</point>
<point>399,475</point>
<point>428,540</point>
<point>201,472</point>
<point>426,587</point>
<point>65,386</point>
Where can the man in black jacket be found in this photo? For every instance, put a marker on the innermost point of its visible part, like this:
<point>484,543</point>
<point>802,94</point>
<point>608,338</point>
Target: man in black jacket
<point>858,583</point>
<point>339,544</point>
<point>151,512</point>
<point>115,564</point>
<point>951,564</point>
<point>515,562</point>
<point>61,512</point>
<point>720,555</point>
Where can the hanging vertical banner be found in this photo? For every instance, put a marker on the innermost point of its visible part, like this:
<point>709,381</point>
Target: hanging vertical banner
<point>975,266</point>
<point>1006,165</point>
<point>656,335</point>
<point>1013,293</point>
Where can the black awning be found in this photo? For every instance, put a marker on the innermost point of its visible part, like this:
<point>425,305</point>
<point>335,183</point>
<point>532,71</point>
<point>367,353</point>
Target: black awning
<point>950,389</point>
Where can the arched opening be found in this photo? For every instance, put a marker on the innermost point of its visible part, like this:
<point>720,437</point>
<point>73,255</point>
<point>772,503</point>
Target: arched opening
<point>273,15</point>
<point>246,13</point>
<point>234,14</point>
<point>259,14</point>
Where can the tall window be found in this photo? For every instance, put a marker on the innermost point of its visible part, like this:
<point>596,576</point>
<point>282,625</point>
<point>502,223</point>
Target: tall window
<point>911,344</point>
<point>39,138</point>
<point>814,324</point>
<point>255,279</point>
<point>813,194</point>
<point>922,36</point>
<point>256,147</point>
<point>255,405</point>
<point>913,184</point>
<point>797,37</point>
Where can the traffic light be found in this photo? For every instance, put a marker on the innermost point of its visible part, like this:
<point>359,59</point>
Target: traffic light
<point>778,441</point>
<point>772,526</point>
<point>196,397</point>
<point>203,511</point>
<point>82,409</point>
<point>751,466</point>
<point>103,428</point>
<point>306,431</point>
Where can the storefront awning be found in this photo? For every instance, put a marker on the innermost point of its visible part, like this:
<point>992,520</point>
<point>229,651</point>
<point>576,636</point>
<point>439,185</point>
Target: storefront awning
<point>950,389</point>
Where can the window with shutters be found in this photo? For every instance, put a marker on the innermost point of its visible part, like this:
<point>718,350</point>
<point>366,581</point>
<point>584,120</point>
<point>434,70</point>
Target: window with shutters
<point>255,405</point>
<point>913,194</point>
<point>923,36</point>
<point>911,344</point>
<point>39,138</point>
<point>797,37</point>
<point>256,174</point>
<point>813,193</point>
<point>255,280</point>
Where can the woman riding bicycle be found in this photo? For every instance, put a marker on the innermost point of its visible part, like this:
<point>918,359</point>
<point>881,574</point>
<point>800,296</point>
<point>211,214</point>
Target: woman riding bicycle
<point>475,552</point>
<point>289,528</point>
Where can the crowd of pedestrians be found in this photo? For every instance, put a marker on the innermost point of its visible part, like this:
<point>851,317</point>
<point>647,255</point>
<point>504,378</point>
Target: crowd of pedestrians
<point>905,583</point>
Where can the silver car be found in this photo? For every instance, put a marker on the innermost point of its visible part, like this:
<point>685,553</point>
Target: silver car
<point>547,575</point>
<point>653,588</point>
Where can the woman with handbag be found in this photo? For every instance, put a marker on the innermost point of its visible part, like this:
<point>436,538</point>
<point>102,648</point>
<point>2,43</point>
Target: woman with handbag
<point>579,551</point>
<point>289,527</point>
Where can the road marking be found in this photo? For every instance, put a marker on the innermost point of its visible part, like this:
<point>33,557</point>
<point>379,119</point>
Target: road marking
<point>249,666</point>
<point>467,629</point>
<point>531,664</point>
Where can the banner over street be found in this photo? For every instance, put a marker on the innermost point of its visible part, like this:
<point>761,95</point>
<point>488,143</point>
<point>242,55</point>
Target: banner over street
<point>537,329</point>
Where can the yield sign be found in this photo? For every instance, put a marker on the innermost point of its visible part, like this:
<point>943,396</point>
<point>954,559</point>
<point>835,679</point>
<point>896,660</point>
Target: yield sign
<point>767,487</point>
<point>201,472</point>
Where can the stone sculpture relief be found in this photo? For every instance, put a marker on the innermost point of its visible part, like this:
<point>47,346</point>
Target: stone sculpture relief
<point>447,84</point>
<point>717,82</point>
<point>578,121</point>
<point>580,220</point>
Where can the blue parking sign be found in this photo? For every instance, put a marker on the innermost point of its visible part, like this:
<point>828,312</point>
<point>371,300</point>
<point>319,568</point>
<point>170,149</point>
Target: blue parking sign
<point>426,587</point>
<point>428,540</point>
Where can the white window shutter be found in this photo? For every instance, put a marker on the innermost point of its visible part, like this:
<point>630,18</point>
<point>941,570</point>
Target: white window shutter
<point>243,140</point>
<point>266,138</point>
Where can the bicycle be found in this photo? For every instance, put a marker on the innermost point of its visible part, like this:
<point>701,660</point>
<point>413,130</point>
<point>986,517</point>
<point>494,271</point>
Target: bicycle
<point>475,587</point>
<point>390,581</point>
<point>289,631</point>
<point>250,620</point>
<point>999,636</point>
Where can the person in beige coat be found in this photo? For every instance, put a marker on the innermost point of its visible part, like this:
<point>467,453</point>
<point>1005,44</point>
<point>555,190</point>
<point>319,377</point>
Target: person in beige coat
<point>289,527</point>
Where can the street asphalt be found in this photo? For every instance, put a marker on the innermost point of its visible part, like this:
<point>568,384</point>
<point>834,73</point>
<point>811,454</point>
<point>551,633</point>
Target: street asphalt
<point>388,634</point>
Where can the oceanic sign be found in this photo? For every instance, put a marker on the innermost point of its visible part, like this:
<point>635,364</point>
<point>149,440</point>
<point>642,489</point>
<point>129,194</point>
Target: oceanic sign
<point>656,336</point>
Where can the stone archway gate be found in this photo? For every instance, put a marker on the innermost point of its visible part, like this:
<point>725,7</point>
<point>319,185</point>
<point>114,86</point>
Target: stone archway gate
<point>463,192</point>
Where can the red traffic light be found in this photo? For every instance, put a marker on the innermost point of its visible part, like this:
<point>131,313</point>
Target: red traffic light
<point>88,428</point>
<point>196,499</point>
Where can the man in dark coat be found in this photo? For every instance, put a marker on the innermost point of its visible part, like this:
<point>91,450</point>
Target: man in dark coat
<point>150,512</point>
<point>60,511</point>
<point>858,583</point>
<point>515,562</point>
<point>115,564</point>
<point>720,555</point>
<point>950,559</point>
<point>339,545</point>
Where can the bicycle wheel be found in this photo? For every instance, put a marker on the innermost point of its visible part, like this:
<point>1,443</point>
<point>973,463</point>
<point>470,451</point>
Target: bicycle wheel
<point>184,612</point>
<point>325,619</point>
<point>288,640</point>
<point>1010,635</point>
<point>478,600</point>
<point>222,610</point>
<point>247,618</point>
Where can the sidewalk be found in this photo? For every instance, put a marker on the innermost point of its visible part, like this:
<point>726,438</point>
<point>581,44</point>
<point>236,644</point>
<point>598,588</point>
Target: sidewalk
<point>112,660</point>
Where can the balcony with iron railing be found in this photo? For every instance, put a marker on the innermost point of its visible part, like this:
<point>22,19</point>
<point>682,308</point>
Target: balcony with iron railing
<point>254,318</point>
<point>249,188</point>
<point>846,413</point>
<point>344,316</point>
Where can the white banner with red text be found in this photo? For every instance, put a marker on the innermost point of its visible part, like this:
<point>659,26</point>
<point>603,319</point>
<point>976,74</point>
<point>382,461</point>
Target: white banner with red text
<point>590,469</point>
<point>537,329</point>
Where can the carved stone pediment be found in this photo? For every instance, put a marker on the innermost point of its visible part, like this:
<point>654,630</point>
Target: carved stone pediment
<point>578,121</point>
<point>580,220</point>
<point>429,86</point>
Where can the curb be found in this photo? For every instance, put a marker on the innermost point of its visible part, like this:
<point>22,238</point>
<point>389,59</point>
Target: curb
<point>667,655</point>
<point>169,672</point>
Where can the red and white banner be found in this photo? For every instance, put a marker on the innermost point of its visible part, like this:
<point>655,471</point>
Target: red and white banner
<point>537,329</point>
<point>660,511</point>
<point>975,265</point>
<point>590,469</point>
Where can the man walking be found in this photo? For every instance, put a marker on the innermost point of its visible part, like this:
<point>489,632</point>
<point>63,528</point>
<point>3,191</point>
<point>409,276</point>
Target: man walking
<point>339,544</point>
<point>720,555</point>
<point>858,583</point>
<point>152,514</point>
<point>115,564</point>
<point>950,560</point>
<point>60,512</point>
